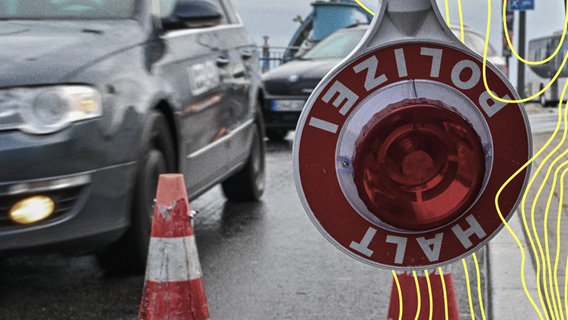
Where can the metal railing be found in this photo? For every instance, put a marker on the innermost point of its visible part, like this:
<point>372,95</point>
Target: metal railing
<point>273,56</point>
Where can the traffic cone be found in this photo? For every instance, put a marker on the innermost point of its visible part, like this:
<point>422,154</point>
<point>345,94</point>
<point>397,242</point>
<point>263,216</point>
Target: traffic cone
<point>442,307</point>
<point>173,288</point>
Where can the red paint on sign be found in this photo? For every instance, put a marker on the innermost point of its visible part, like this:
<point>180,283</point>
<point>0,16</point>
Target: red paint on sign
<point>322,123</point>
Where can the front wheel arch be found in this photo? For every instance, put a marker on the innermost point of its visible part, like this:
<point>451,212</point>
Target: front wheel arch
<point>156,156</point>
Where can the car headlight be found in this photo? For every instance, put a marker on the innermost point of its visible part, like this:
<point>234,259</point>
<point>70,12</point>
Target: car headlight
<point>45,110</point>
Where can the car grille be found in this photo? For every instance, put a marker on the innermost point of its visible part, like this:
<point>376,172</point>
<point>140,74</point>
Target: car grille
<point>64,200</point>
<point>302,87</point>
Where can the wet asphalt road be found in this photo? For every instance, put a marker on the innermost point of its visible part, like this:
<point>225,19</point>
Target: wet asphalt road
<point>262,260</point>
<point>268,261</point>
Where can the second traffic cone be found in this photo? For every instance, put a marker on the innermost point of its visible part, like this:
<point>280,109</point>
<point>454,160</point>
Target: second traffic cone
<point>173,288</point>
<point>414,301</point>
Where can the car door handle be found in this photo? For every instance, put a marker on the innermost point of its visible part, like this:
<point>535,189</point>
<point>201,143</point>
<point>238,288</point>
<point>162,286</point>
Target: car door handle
<point>222,61</point>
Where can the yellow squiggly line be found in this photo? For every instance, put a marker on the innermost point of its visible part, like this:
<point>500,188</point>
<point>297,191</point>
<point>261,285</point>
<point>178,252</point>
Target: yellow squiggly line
<point>484,71</point>
<point>418,296</point>
<point>539,256</point>
<point>430,296</point>
<point>566,287</point>
<point>556,301</point>
<point>558,230</point>
<point>447,6</point>
<point>460,14</point>
<point>445,293</point>
<point>516,54</point>
<point>399,291</point>
<point>546,262</point>
<point>469,297</point>
<point>487,33</point>
<point>555,291</point>
<point>479,292</point>
<point>365,7</point>
<point>523,212</point>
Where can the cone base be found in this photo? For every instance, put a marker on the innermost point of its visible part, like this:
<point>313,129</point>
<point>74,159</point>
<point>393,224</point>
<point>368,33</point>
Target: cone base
<point>174,300</point>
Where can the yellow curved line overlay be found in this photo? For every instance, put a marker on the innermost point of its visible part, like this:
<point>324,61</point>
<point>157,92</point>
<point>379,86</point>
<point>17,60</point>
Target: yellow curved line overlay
<point>399,291</point>
<point>546,87</point>
<point>430,296</point>
<point>364,7</point>
<point>418,296</point>
<point>547,280</point>
<point>523,211</point>
<point>479,291</point>
<point>516,54</point>
<point>447,7</point>
<point>445,293</point>
<point>469,297</point>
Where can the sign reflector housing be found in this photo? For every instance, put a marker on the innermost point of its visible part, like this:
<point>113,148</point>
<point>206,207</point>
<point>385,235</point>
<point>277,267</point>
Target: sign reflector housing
<point>418,165</point>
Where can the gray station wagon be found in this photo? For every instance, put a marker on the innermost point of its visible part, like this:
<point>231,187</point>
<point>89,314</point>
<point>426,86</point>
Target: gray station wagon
<point>99,97</point>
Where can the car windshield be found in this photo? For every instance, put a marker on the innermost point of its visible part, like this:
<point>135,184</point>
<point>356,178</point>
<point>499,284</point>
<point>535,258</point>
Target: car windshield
<point>66,9</point>
<point>335,46</point>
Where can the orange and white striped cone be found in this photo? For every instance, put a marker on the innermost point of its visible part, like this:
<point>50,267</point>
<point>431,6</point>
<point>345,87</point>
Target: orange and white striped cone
<point>173,288</point>
<point>413,299</point>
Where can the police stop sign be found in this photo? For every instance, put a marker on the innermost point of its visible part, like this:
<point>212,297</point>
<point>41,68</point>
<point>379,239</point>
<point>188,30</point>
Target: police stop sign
<point>401,150</point>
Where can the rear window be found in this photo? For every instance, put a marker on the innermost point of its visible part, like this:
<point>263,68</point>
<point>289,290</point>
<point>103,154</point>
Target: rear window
<point>337,45</point>
<point>66,9</point>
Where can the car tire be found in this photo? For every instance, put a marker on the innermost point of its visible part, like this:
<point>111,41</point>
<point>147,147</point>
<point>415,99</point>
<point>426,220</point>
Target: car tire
<point>158,156</point>
<point>248,183</point>
<point>276,134</point>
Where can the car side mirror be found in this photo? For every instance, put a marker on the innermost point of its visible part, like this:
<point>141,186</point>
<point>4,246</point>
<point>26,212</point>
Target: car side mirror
<point>193,14</point>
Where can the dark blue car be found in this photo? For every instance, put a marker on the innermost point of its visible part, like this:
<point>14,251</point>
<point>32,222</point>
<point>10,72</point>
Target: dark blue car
<point>99,97</point>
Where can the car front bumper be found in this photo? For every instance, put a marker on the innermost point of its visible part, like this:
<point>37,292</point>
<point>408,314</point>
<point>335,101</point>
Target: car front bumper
<point>84,173</point>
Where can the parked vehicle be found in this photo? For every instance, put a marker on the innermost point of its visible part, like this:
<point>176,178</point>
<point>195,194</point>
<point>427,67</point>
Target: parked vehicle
<point>476,42</point>
<point>538,76</point>
<point>99,97</point>
<point>288,86</point>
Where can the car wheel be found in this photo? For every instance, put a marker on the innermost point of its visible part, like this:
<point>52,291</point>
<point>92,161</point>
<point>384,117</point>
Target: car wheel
<point>248,183</point>
<point>276,134</point>
<point>158,157</point>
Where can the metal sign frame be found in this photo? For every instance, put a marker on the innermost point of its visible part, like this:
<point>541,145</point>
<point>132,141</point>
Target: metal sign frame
<point>441,68</point>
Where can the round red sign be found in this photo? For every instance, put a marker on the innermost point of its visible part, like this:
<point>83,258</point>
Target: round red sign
<point>400,153</point>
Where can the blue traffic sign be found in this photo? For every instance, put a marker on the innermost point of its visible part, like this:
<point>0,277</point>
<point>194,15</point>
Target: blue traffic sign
<point>521,4</point>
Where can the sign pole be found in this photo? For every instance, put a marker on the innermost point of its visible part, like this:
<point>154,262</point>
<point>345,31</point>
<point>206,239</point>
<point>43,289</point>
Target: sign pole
<point>521,50</point>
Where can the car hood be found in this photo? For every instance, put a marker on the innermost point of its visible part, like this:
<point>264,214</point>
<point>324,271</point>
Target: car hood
<point>297,77</point>
<point>40,52</point>
<point>302,68</point>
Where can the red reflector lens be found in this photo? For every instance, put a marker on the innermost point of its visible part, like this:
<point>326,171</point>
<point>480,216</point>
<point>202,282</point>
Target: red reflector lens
<point>418,165</point>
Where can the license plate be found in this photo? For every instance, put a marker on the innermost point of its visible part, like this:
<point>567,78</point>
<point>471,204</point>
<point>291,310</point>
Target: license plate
<point>287,105</point>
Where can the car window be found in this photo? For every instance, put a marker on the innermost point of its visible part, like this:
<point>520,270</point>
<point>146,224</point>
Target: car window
<point>167,8</point>
<point>228,10</point>
<point>337,45</point>
<point>66,9</point>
